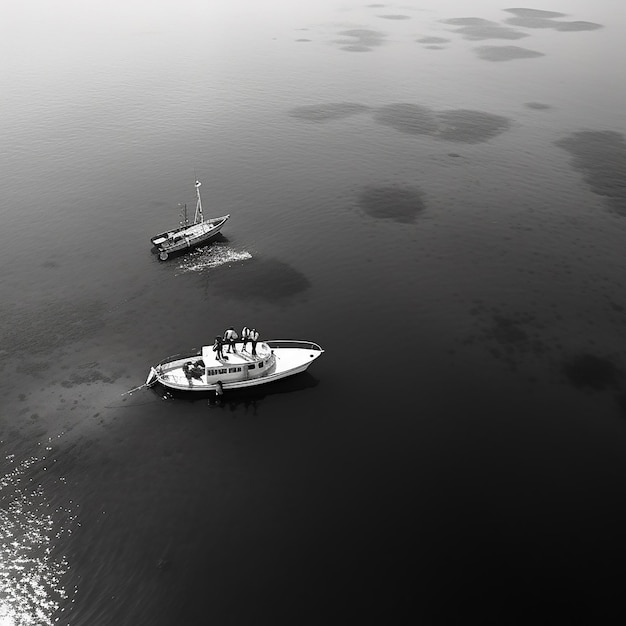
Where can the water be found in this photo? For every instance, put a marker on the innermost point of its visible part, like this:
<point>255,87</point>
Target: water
<point>433,193</point>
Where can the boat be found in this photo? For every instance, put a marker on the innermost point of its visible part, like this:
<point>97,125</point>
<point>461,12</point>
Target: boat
<point>188,235</point>
<point>204,370</point>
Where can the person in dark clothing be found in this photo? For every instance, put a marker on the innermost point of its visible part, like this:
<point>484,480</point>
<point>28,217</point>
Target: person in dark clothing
<point>218,347</point>
<point>230,336</point>
<point>254,337</point>
<point>245,337</point>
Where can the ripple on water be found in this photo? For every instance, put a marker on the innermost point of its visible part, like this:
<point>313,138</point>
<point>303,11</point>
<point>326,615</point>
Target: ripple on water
<point>601,157</point>
<point>51,324</point>
<point>328,111</point>
<point>412,119</point>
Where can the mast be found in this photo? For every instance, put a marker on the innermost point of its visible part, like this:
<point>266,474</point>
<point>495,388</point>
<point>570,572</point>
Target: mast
<point>198,216</point>
<point>183,213</point>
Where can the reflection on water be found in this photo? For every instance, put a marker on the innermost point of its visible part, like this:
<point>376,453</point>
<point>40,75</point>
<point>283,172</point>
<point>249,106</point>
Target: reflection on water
<point>30,567</point>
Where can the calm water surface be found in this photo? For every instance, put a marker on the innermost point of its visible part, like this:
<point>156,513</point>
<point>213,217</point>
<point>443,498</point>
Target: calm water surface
<point>432,191</point>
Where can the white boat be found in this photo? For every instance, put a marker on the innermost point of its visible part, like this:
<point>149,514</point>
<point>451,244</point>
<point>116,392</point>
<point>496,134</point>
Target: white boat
<point>188,235</point>
<point>205,371</point>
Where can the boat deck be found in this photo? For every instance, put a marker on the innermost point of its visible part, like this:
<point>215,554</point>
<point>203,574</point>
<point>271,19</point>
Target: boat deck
<point>239,357</point>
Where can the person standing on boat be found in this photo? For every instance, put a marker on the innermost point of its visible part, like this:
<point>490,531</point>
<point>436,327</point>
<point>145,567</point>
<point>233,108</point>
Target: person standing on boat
<point>218,346</point>
<point>254,337</point>
<point>245,337</point>
<point>230,336</point>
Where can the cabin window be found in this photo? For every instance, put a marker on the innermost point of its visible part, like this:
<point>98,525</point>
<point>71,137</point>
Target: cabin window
<point>251,367</point>
<point>234,369</point>
<point>261,364</point>
<point>222,371</point>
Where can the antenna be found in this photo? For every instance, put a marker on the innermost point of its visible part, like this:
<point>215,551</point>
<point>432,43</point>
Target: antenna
<point>198,216</point>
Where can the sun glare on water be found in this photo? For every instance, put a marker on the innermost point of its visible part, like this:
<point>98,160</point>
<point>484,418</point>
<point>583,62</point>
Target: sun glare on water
<point>211,257</point>
<point>30,574</point>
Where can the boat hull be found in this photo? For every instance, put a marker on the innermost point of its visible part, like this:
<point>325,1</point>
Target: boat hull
<point>277,363</point>
<point>186,238</point>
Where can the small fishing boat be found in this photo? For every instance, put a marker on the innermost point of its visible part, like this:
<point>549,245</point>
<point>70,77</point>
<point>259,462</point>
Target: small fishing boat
<point>206,371</point>
<point>188,235</point>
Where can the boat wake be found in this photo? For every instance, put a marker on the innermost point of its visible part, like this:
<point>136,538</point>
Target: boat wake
<point>210,257</point>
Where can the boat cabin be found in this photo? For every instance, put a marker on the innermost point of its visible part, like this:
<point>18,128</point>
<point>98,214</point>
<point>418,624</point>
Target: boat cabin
<point>208,370</point>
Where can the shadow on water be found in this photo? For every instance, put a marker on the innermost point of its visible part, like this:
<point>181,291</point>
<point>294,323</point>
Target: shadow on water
<point>391,202</point>
<point>511,337</point>
<point>596,374</point>
<point>325,112</point>
<point>432,40</point>
<point>536,18</point>
<point>260,279</point>
<point>537,106</point>
<point>361,40</point>
<point>506,53</point>
<point>395,16</point>
<point>601,157</point>
<point>457,125</point>
<point>588,370</point>
<point>49,325</point>
<point>539,13</point>
<point>241,398</point>
<point>475,28</point>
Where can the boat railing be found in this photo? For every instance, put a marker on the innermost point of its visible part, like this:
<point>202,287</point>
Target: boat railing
<point>175,357</point>
<point>291,343</point>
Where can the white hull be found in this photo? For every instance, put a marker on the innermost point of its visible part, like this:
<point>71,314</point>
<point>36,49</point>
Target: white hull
<point>275,360</point>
